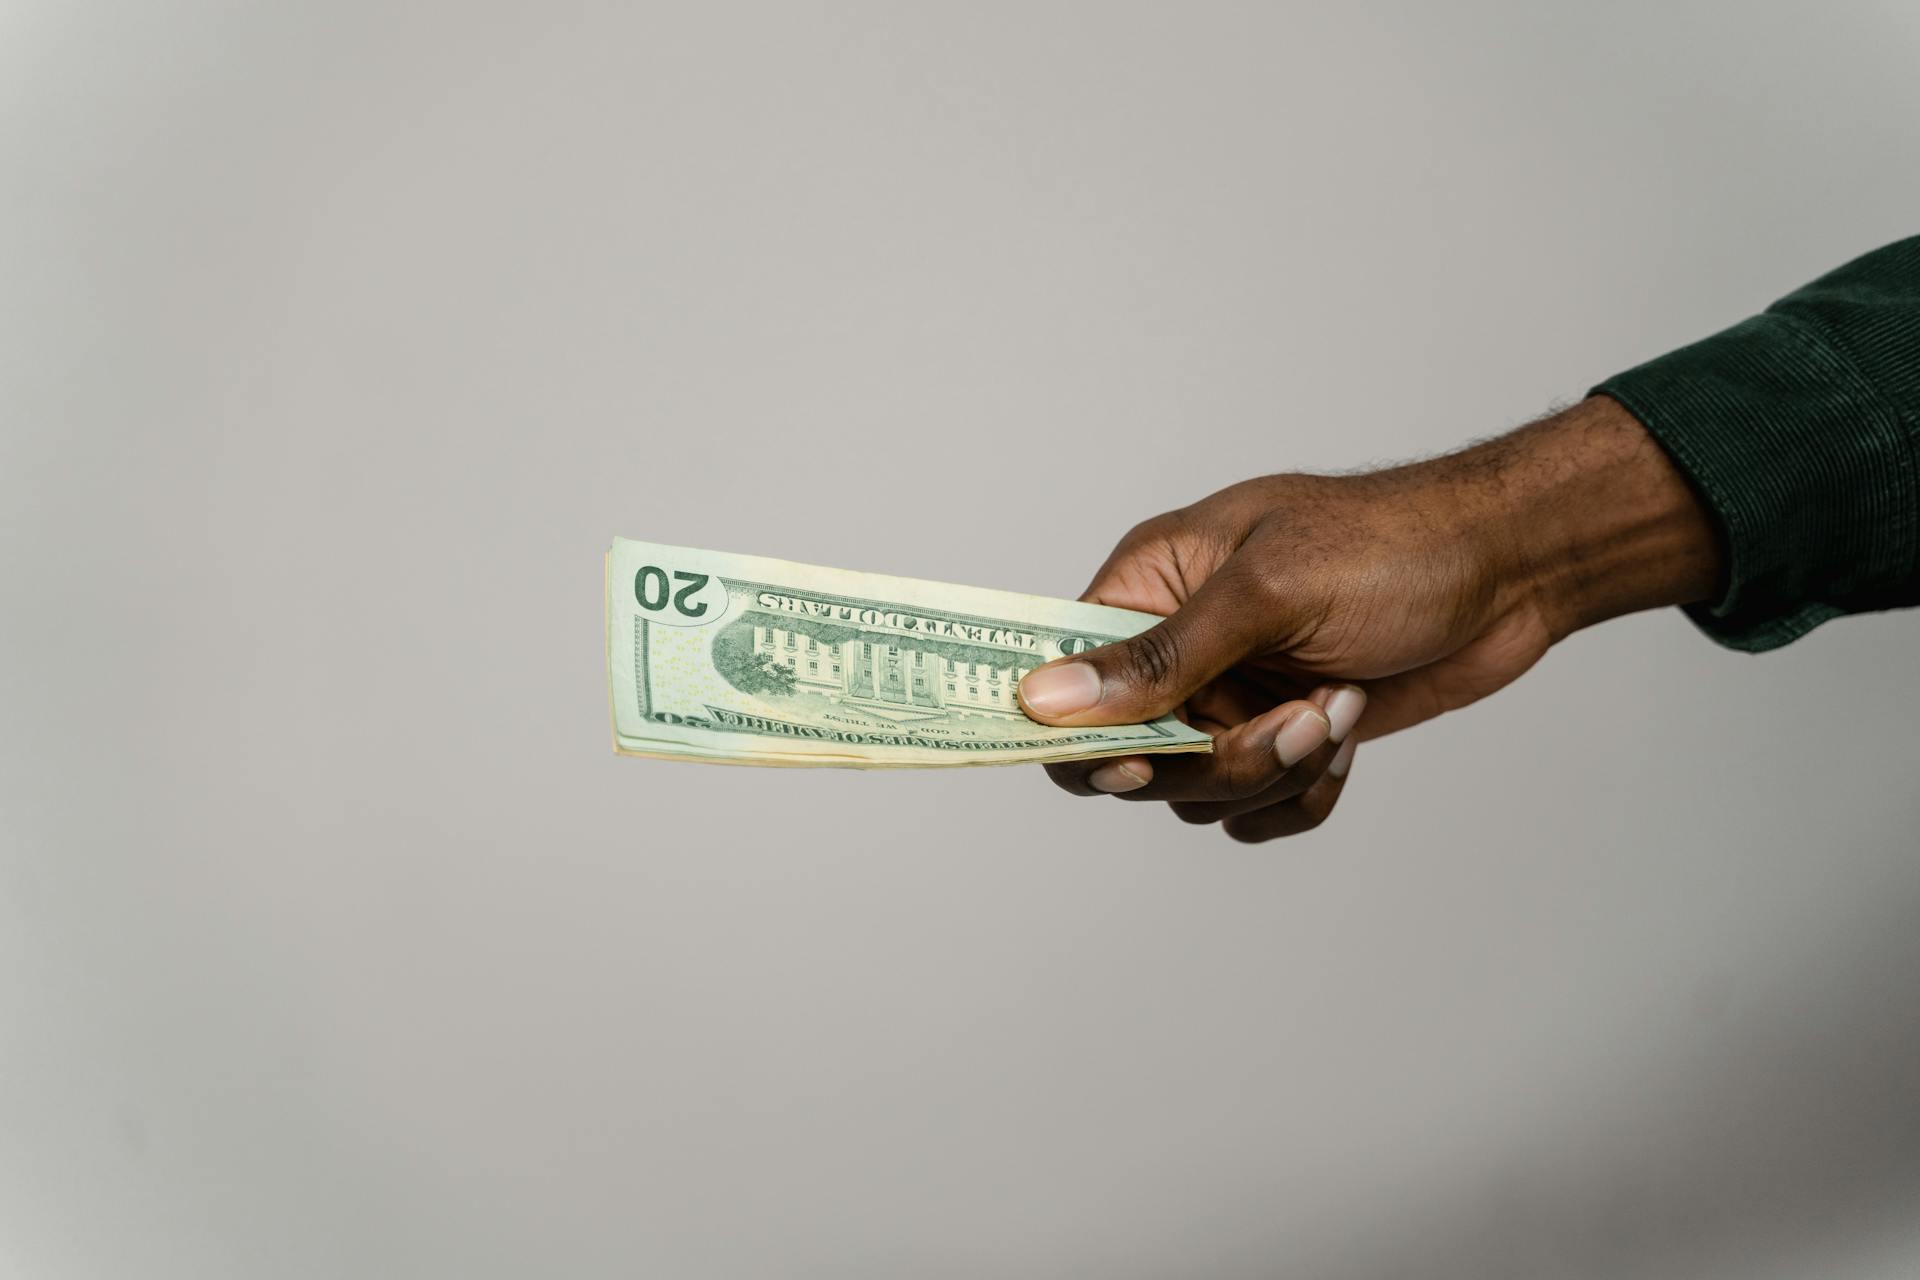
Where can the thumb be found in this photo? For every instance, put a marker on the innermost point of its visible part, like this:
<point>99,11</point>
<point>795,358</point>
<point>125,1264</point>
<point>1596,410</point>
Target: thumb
<point>1138,679</point>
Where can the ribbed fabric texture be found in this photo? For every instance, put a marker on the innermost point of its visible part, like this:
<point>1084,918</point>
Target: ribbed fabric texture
<point>1800,428</point>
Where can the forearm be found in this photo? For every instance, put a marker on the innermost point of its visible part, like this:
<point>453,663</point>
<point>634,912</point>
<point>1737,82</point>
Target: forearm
<point>1573,519</point>
<point>1595,521</point>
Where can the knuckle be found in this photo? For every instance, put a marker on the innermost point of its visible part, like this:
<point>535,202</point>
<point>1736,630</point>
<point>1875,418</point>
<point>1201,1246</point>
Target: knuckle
<point>1154,527</point>
<point>1245,775</point>
<point>1157,532</point>
<point>1315,810</point>
<point>1194,812</point>
<point>1294,782</point>
<point>1154,656</point>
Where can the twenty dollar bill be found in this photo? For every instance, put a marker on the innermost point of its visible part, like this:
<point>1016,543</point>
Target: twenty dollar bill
<point>746,660</point>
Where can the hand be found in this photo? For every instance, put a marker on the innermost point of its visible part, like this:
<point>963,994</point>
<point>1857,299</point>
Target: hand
<point>1306,613</point>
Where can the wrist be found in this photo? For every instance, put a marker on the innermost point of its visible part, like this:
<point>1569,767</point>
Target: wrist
<point>1592,520</point>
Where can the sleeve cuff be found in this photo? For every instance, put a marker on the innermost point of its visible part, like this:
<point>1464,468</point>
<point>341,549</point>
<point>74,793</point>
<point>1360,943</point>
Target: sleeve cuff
<point>1807,468</point>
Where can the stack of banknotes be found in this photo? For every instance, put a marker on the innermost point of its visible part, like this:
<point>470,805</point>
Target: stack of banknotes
<point>746,660</point>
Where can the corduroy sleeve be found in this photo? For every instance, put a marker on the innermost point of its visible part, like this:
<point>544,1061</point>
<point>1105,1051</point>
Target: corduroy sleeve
<point>1800,429</point>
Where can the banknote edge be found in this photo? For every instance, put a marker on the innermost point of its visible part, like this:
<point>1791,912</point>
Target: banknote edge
<point>830,762</point>
<point>869,573</point>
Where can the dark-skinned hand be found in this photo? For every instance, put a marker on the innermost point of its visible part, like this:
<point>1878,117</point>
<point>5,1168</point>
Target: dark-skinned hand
<point>1307,613</point>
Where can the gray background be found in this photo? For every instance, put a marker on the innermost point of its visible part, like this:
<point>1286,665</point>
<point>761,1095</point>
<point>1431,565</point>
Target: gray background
<point>340,338</point>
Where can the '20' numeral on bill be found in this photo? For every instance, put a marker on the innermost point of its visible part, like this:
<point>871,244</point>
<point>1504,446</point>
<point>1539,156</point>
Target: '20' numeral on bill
<point>653,590</point>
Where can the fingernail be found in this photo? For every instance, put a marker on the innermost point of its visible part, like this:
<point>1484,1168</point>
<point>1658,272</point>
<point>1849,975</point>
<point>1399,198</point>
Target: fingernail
<point>1062,690</point>
<point>1116,776</point>
<point>1344,706</point>
<point>1342,759</point>
<point>1300,737</point>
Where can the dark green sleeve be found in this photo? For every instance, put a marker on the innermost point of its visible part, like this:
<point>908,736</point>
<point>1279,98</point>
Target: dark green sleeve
<point>1800,428</point>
